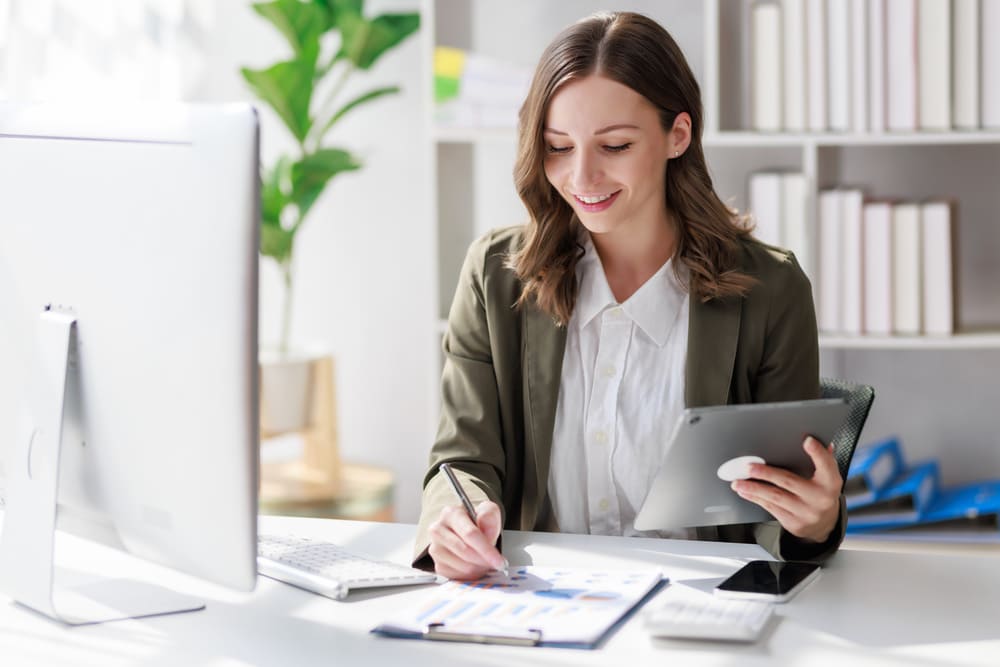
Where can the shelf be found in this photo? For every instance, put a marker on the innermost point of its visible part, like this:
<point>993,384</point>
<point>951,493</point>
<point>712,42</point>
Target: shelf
<point>961,341</point>
<point>758,139</point>
<point>471,135</point>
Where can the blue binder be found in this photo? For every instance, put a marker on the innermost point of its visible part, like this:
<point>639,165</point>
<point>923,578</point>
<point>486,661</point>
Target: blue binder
<point>873,467</point>
<point>974,506</point>
<point>903,502</point>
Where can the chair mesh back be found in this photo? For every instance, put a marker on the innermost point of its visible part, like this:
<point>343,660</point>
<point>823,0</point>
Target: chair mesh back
<point>859,398</point>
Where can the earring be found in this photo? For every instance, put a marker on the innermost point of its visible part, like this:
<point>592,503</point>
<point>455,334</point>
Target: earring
<point>677,153</point>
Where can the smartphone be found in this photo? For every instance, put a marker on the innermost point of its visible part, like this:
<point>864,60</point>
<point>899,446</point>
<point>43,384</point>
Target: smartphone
<point>768,580</point>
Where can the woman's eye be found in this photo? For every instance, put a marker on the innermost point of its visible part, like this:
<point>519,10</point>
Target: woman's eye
<point>559,149</point>
<point>619,148</point>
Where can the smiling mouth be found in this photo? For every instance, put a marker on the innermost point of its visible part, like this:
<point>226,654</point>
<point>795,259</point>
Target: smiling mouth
<point>595,199</point>
<point>596,203</point>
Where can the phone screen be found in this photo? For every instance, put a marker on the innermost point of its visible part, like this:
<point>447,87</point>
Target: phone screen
<point>769,577</point>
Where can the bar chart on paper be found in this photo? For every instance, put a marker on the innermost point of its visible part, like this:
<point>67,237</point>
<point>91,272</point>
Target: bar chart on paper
<point>563,605</point>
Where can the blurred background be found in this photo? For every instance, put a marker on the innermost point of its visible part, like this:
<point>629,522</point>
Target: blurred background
<point>375,267</point>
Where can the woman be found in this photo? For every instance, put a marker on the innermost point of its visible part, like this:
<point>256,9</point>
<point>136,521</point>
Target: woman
<point>633,292</point>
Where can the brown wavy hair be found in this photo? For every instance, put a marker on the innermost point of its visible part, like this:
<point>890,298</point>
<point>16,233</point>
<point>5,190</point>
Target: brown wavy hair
<point>637,52</point>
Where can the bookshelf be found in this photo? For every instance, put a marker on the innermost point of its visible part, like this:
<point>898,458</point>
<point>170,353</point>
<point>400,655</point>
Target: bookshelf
<point>933,392</point>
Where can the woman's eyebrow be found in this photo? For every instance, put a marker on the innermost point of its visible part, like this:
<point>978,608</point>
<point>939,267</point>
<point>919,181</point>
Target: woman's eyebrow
<point>603,130</point>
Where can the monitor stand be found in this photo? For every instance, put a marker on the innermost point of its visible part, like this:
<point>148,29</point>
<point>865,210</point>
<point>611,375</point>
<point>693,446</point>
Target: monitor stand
<point>27,545</point>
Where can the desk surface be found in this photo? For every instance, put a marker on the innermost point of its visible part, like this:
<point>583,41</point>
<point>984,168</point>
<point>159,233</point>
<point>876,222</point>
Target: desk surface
<point>867,608</point>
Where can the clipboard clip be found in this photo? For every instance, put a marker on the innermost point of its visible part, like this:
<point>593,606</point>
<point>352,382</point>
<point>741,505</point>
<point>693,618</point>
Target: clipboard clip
<point>506,636</point>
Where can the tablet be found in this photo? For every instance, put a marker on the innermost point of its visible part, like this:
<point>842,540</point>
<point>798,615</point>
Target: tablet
<point>712,446</point>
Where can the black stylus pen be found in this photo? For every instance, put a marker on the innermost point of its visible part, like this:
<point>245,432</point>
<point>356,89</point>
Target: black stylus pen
<point>469,509</point>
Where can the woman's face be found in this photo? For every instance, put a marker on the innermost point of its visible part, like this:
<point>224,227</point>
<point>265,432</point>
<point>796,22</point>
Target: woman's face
<point>606,154</point>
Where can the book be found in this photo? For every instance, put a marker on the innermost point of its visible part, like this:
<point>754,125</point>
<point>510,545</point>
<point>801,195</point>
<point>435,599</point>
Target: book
<point>816,65</point>
<point>793,34</point>
<point>877,250</point>
<point>901,65</point>
<point>903,501</point>
<point>765,203</point>
<point>859,42</point>
<point>934,64</point>
<point>796,223</point>
<point>838,50</point>
<point>830,273</point>
<point>990,64</point>
<point>872,468</point>
<point>876,65</point>
<point>546,606</point>
<point>965,64</point>
<point>765,92</point>
<point>907,259</point>
<point>852,262</point>
<point>472,90</point>
<point>938,268</point>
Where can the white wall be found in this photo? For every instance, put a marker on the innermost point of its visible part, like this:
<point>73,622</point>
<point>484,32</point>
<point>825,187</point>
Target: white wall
<point>364,272</point>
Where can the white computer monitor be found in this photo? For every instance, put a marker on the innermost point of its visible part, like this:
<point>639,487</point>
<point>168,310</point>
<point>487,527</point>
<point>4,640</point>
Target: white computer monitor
<point>128,341</point>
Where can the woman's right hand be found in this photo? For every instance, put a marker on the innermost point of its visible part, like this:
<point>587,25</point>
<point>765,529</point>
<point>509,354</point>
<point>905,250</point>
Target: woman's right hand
<point>462,549</point>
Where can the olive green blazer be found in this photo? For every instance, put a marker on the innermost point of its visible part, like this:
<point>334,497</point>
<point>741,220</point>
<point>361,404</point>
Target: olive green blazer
<point>503,366</point>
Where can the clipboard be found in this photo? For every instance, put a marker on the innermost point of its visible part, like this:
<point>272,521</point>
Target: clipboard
<point>533,606</point>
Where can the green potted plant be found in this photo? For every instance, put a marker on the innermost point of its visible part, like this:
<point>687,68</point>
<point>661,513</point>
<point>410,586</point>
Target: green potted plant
<point>331,41</point>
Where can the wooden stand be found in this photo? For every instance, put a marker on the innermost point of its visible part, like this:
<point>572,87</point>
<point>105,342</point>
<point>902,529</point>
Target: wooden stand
<point>320,484</point>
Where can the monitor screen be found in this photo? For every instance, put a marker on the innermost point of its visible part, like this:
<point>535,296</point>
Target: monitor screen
<point>139,226</point>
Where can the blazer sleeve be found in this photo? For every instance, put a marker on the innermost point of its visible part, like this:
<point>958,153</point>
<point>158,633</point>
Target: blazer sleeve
<point>469,431</point>
<point>789,370</point>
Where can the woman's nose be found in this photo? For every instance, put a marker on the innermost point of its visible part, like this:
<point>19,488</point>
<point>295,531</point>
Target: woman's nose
<point>587,172</point>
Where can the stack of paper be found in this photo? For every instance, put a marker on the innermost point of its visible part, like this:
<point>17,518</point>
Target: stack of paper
<point>544,605</point>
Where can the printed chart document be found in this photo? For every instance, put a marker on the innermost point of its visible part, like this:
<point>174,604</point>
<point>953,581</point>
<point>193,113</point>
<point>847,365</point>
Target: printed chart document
<point>548,606</point>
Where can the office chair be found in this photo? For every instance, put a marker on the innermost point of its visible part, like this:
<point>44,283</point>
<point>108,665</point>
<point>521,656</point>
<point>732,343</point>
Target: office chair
<point>859,398</point>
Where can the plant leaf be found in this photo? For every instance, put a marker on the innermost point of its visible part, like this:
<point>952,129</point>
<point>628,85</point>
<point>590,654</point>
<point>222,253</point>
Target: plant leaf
<point>301,23</point>
<point>287,88</point>
<point>335,8</point>
<point>276,242</point>
<point>356,102</point>
<point>364,42</point>
<point>312,173</point>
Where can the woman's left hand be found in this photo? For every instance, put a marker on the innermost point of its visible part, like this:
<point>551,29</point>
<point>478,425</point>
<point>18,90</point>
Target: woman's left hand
<point>806,508</point>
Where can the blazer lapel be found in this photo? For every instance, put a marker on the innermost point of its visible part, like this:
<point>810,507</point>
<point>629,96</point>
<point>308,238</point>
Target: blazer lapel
<point>713,332</point>
<point>542,356</point>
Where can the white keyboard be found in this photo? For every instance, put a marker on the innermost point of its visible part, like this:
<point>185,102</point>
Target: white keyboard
<point>328,569</point>
<point>697,615</point>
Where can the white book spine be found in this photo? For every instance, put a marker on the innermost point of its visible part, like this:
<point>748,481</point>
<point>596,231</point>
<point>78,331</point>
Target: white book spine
<point>839,64</point>
<point>965,65</point>
<point>852,261</point>
<point>765,205</point>
<point>860,64</point>
<point>907,257</point>
<point>934,64</point>
<point>938,286</point>
<point>816,62</point>
<point>830,274</point>
<point>901,65</point>
<point>990,62</point>
<point>765,93</point>
<point>876,65</point>
<point>793,29</point>
<point>795,223</point>
<point>878,268</point>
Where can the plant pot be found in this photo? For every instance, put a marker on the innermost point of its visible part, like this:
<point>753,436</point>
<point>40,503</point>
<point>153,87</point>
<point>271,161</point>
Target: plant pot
<point>298,405</point>
<point>285,388</point>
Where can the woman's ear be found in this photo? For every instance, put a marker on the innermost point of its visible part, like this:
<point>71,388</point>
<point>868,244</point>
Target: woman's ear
<point>680,134</point>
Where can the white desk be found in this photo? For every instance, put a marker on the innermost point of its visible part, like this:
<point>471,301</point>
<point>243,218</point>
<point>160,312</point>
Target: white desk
<point>867,608</point>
